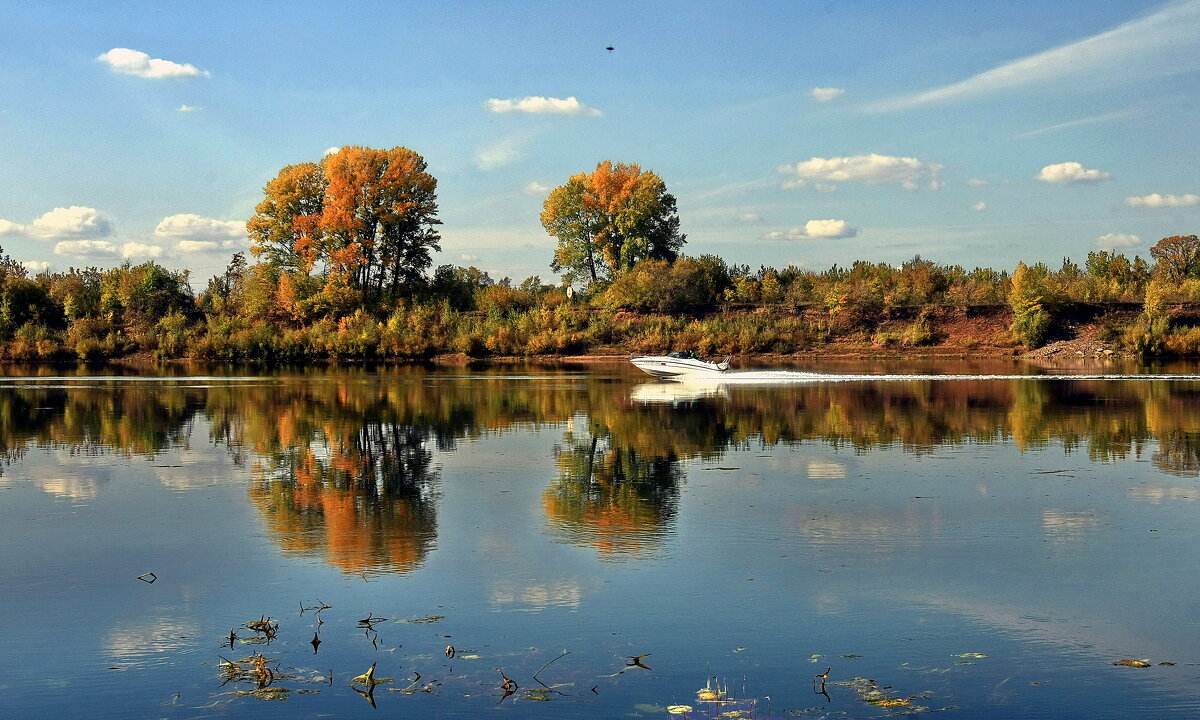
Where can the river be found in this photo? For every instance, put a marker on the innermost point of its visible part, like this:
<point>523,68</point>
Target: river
<point>578,541</point>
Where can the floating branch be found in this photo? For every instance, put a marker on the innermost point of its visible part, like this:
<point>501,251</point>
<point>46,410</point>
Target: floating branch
<point>147,578</point>
<point>370,621</point>
<point>318,607</point>
<point>367,678</point>
<point>508,684</point>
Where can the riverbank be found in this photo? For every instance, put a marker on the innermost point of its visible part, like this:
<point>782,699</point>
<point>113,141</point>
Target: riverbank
<point>775,336</point>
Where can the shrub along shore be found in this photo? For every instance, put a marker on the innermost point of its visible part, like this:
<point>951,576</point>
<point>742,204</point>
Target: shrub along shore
<point>256,313</point>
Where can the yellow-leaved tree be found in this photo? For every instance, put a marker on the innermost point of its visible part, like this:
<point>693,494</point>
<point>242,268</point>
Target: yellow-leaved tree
<point>608,220</point>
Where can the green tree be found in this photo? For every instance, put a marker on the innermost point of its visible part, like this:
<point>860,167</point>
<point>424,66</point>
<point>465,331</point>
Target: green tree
<point>1177,257</point>
<point>22,300</point>
<point>608,220</point>
<point>1031,323</point>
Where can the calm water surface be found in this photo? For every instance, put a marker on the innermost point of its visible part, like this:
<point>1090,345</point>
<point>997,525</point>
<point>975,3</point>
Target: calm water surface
<point>987,548</point>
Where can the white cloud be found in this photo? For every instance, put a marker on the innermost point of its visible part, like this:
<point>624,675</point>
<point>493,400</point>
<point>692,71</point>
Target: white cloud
<point>828,229</point>
<point>36,266</point>
<point>749,217</point>
<point>467,257</point>
<point>497,155</point>
<point>70,222</point>
<point>979,206</point>
<point>1071,173</point>
<point>1163,41</point>
<point>540,106</point>
<point>139,64</point>
<point>187,108</point>
<point>133,249</point>
<point>331,151</point>
<point>1113,241</point>
<point>536,189</point>
<point>86,248</point>
<point>976,182</point>
<point>870,169</point>
<point>1154,200</point>
<point>8,227</point>
<point>189,226</point>
<point>199,246</point>
<point>826,94</point>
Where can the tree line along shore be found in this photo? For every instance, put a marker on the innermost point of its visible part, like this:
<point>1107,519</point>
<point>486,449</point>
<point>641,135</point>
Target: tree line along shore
<point>341,269</point>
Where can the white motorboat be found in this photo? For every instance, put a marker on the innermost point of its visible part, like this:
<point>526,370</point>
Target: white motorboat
<point>678,364</point>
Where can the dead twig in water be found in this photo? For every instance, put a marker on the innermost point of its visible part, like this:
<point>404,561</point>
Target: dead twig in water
<point>367,678</point>
<point>539,680</point>
<point>509,683</point>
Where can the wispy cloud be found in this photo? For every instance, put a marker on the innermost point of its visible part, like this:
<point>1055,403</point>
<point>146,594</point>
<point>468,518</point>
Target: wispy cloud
<point>1153,200</point>
<point>498,154</point>
<point>139,64</point>
<point>536,189</point>
<point>826,94</point>
<point>540,106</point>
<point>1169,36</point>
<point>816,229</point>
<point>1093,120</point>
<point>871,169</point>
<point>1071,173</point>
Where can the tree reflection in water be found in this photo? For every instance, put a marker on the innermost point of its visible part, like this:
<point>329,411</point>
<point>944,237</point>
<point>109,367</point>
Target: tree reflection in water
<point>611,497</point>
<point>365,499</point>
<point>343,462</point>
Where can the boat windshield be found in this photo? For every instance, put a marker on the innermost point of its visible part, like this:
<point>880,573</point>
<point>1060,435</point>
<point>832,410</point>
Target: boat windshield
<point>681,355</point>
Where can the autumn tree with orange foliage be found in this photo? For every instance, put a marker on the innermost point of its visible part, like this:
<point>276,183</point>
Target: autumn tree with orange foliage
<point>363,219</point>
<point>608,220</point>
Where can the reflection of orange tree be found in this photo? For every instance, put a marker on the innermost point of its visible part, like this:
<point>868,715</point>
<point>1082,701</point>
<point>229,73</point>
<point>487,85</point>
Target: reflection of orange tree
<point>365,499</point>
<point>612,498</point>
<point>345,466</point>
<point>618,487</point>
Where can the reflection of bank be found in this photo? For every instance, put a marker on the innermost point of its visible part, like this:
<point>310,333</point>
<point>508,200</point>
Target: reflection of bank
<point>366,504</point>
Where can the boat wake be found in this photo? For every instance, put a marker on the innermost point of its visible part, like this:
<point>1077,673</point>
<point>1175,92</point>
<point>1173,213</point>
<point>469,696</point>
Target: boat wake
<point>781,377</point>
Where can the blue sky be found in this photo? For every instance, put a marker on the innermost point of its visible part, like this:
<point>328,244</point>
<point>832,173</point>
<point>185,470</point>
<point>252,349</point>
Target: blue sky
<point>806,133</point>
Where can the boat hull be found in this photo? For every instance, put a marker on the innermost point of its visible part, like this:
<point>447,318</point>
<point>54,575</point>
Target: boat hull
<point>663,366</point>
